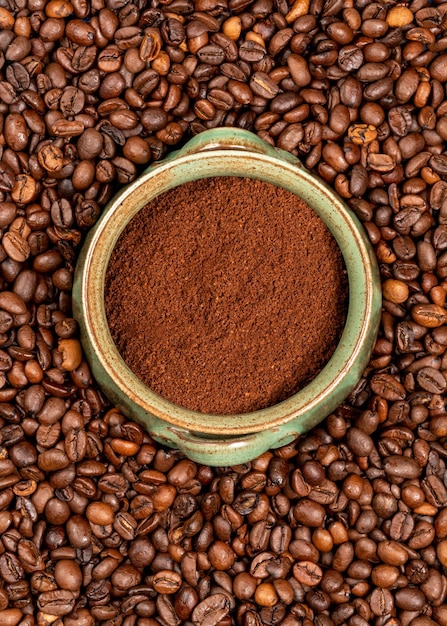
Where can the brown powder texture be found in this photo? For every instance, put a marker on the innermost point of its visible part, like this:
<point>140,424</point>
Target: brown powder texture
<point>226,295</point>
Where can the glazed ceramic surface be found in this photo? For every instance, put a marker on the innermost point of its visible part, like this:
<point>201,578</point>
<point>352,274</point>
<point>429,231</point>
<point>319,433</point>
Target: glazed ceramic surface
<point>222,440</point>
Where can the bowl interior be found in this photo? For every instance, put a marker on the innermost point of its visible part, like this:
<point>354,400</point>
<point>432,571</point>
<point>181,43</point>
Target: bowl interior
<point>341,372</point>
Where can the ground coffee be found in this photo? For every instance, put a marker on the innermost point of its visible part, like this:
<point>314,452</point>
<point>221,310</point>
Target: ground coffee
<point>226,295</point>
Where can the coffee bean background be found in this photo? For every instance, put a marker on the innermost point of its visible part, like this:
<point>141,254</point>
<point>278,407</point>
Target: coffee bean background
<point>100,525</point>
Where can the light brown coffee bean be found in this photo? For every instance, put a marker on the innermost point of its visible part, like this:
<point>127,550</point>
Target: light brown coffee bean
<point>307,573</point>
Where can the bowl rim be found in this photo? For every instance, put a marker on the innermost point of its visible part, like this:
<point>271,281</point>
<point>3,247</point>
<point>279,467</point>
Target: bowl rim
<point>363,304</point>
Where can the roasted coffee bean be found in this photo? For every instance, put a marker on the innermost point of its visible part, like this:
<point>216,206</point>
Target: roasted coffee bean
<point>166,581</point>
<point>56,603</point>
<point>211,610</point>
<point>262,85</point>
<point>401,467</point>
<point>381,601</point>
<point>307,573</point>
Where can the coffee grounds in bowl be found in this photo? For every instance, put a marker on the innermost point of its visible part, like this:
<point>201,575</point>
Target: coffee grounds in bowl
<point>226,295</point>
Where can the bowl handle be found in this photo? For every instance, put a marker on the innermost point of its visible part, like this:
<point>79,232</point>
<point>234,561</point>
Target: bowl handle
<point>228,139</point>
<point>220,452</point>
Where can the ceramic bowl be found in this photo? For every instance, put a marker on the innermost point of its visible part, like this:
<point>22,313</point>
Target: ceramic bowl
<point>222,440</point>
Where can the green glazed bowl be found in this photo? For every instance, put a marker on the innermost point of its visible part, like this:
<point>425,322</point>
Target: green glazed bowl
<point>222,440</point>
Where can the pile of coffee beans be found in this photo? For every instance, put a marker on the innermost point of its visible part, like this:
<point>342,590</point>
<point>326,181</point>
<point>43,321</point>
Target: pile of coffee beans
<point>100,525</point>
